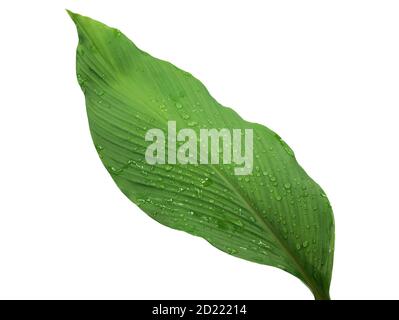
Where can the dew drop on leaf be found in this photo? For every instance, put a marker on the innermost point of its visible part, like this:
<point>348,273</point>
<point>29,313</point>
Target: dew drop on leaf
<point>206,182</point>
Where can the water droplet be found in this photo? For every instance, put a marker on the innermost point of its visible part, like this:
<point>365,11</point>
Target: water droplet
<point>131,162</point>
<point>263,244</point>
<point>206,182</point>
<point>285,146</point>
<point>141,202</point>
<point>238,223</point>
<point>179,105</point>
<point>115,171</point>
<point>305,244</point>
<point>287,186</point>
<point>99,92</point>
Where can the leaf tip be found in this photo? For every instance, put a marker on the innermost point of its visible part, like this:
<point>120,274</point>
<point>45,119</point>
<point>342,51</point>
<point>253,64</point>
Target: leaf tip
<point>73,15</point>
<point>78,19</point>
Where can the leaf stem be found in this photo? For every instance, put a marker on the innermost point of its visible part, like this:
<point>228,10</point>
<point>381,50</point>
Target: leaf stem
<point>320,295</point>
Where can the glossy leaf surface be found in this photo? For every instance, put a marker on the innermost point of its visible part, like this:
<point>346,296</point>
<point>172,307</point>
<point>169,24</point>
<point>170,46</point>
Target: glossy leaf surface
<point>276,216</point>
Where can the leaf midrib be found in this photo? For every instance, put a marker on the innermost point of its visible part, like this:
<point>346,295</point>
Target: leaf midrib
<point>268,228</point>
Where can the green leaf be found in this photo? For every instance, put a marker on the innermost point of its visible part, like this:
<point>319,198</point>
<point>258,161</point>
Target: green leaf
<point>276,215</point>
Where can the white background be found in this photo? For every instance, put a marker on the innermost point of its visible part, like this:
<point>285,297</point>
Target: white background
<point>323,74</point>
